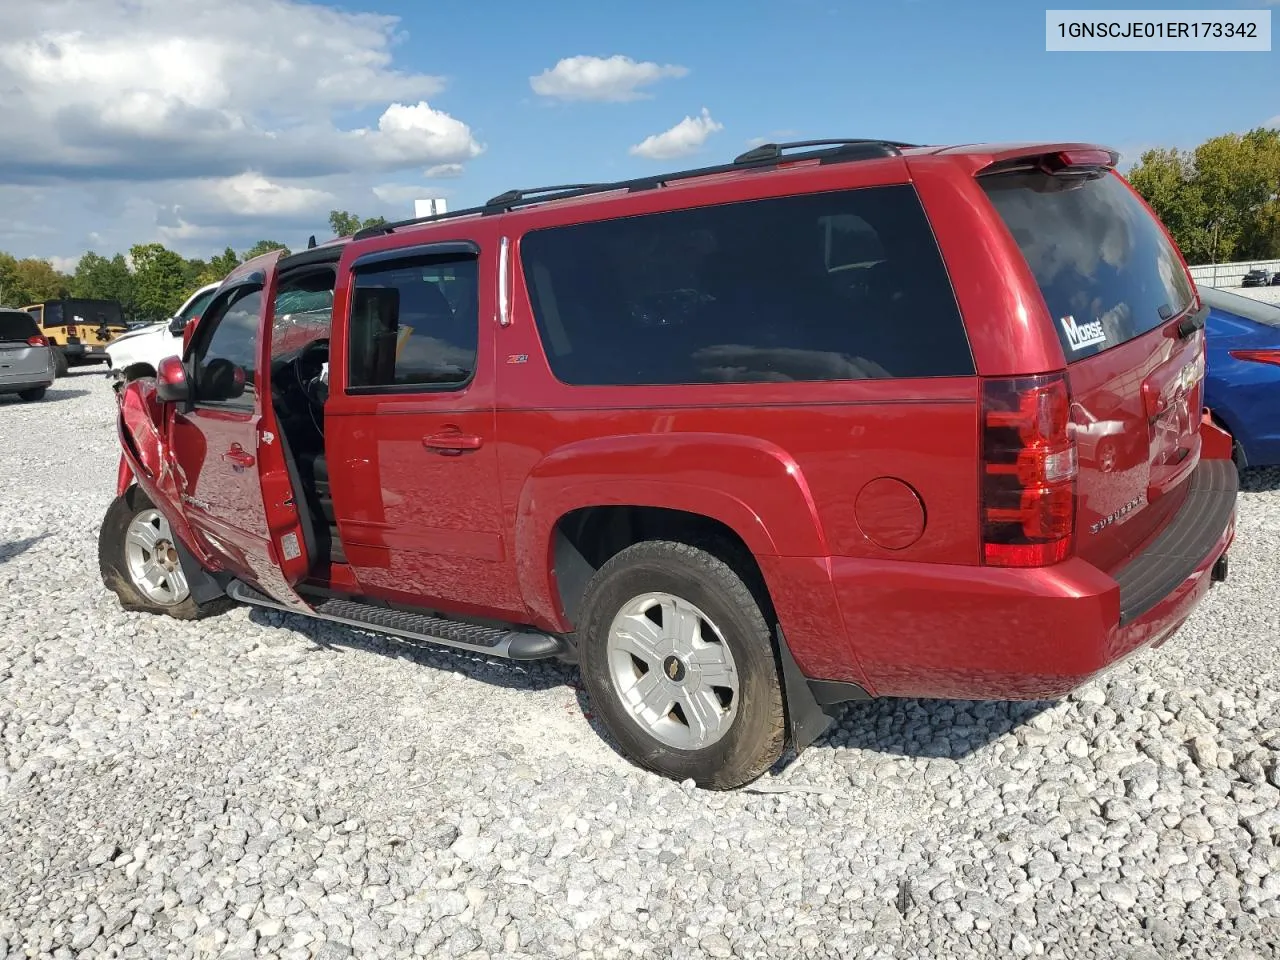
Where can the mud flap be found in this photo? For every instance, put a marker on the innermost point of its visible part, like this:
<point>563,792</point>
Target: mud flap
<point>203,585</point>
<point>806,720</point>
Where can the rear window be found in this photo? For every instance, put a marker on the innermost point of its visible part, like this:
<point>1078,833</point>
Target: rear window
<point>16,325</point>
<point>846,285</point>
<point>1106,270</point>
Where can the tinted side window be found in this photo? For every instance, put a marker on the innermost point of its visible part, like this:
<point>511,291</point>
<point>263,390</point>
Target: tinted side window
<point>414,323</point>
<point>846,285</point>
<point>225,360</point>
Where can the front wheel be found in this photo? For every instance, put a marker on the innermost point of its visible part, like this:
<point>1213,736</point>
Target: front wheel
<point>678,660</point>
<point>60,364</point>
<point>139,561</point>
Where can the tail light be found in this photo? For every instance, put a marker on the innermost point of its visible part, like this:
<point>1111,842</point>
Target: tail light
<point>37,340</point>
<point>1028,471</point>
<point>1258,356</point>
<point>72,330</point>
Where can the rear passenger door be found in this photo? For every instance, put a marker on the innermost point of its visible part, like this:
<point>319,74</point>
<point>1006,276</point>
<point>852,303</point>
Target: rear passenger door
<point>410,431</point>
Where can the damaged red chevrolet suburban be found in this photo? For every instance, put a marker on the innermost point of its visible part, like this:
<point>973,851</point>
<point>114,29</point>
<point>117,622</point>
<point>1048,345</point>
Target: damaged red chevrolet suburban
<point>836,420</point>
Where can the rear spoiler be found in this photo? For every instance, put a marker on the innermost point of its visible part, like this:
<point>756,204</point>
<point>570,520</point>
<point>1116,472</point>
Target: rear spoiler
<point>1072,160</point>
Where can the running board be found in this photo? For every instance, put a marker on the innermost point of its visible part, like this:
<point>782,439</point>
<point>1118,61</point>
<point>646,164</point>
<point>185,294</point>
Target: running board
<point>489,641</point>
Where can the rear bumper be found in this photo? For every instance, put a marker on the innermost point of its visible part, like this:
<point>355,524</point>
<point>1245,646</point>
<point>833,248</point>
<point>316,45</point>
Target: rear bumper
<point>938,630</point>
<point>84,353</point>
<point>17,384</point>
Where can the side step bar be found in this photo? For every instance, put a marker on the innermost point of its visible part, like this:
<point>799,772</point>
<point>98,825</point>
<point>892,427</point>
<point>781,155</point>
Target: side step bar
<point>489,641</point>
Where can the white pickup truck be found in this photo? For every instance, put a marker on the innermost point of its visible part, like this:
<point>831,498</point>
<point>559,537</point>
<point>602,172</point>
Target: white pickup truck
<point>138,353</point>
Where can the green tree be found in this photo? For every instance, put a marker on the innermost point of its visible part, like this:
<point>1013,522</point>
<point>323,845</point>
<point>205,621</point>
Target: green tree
<point>344,224</point>
<point>12,292</point>
<point>40,281</point>
<point>219,266</point>
<point>1220,201</point>
<point>261,247</point>
<point>97,278</point>
<point>160,279</point>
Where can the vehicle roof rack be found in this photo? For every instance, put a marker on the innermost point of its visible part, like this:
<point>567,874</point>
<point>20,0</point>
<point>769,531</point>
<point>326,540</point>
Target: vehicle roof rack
<point>867,148</point>
<point>762,157</point>
<point>505,200</point>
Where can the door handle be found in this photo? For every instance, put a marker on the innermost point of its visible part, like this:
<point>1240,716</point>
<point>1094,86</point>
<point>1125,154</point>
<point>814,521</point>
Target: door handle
<point>238,456</point>
<point>452,442</point>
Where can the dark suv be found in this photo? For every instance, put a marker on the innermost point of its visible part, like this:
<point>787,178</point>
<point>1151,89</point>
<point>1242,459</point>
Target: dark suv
<point>837,420</point>
<point>1257,277</point>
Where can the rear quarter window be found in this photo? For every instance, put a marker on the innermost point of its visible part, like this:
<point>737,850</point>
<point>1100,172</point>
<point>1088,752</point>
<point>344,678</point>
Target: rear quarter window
<point>844,285</point>
<point>1106,269</point>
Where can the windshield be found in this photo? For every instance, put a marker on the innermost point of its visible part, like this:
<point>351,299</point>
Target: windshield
<point>1247,307</point>
<point>1106,269</point>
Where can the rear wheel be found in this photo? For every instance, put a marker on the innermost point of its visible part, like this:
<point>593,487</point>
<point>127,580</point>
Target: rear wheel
<point>139,561</point>
<point>35,394</point>
<point>679,663</point>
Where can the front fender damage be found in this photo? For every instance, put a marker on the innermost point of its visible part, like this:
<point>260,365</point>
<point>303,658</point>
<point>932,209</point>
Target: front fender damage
<point>145,460</point>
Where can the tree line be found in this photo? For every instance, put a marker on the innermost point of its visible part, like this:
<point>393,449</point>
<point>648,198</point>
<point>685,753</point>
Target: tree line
<point>150,283</point>
<point>1221,201</point>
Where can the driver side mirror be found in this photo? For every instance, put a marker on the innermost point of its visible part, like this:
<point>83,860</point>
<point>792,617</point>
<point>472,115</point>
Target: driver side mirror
<point>188,331</point>
<point>171,382</point>
<point>176,326</point>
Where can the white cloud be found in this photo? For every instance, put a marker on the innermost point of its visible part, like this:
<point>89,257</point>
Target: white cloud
<point>252,191</point>
<point>615,78</point>
<point>685,138</point>
<point>409,135</point>
<point>64,264</point>
<point>134,120</point>
<point>443,171</point>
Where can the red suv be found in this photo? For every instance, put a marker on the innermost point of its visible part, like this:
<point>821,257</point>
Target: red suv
<point>838,420</point>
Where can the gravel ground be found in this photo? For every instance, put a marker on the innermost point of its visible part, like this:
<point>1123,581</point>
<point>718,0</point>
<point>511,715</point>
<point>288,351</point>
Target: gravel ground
<point>261,786</point>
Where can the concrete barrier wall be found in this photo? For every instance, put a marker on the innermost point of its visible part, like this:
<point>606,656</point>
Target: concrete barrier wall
<point>1229,274</point>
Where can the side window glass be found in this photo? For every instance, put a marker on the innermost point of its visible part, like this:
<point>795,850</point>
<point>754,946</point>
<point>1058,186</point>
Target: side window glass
<point>227,354</point>
<point>842,285</point>
<point>414,324</point>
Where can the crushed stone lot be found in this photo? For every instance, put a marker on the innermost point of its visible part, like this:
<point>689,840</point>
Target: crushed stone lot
<point>258,785</point>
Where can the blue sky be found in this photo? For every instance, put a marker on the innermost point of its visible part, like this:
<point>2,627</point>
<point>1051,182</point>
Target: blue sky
<point>917,70</point>
<point>205,125</point>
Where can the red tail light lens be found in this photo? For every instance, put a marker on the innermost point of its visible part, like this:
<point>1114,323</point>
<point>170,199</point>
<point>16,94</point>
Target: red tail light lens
<point>1258,356</point>
<point>72,330</point>
<point>1029,471</point>
<point>37,340</point>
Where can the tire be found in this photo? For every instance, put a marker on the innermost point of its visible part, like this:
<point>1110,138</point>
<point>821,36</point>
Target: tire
<point>116,566</point>
<point>60,364</point>
<point>749,724</point>
<point>35,394</point>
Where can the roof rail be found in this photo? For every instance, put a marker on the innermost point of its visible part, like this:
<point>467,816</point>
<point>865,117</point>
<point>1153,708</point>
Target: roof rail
<point>762,157</point>
<point>773,151</point>
<point>505,200</point>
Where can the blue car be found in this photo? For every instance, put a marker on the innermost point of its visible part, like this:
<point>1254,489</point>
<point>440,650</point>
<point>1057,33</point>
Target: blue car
<point>1242,385</point>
